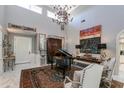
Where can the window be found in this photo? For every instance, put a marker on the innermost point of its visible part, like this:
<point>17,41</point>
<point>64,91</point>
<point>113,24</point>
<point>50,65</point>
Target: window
<point>32,8</point>
<point>50,14</point>
<point>36,9</point>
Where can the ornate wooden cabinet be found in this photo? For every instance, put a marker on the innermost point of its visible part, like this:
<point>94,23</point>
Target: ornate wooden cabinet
<point>52,45</point>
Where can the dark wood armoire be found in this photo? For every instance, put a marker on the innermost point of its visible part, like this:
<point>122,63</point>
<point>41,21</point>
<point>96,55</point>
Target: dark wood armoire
<point>52,45</point>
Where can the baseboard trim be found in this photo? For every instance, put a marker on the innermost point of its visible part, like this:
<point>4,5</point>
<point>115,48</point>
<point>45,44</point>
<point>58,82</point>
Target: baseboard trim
<point>22,63</point>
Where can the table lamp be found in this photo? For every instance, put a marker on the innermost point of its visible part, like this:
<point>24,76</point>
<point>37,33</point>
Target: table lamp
<point>105,54</point>
<point>102,46</point>
<point>78,47</point>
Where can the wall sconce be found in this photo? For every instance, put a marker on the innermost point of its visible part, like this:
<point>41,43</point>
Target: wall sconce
<point>78,47</point>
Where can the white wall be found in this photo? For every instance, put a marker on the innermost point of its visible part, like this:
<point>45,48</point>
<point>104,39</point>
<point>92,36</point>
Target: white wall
<point>2,24</point>
<point>43,24</point>
<point>1,59</point>
<point>2,16</point>
<point>110,17</point>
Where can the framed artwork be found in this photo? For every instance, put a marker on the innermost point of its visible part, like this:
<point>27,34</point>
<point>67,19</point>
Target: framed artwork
<point>90,38</point>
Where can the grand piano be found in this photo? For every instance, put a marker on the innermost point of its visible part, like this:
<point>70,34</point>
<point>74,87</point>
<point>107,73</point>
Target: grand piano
<point>63,61</point>
<point>64,56</point>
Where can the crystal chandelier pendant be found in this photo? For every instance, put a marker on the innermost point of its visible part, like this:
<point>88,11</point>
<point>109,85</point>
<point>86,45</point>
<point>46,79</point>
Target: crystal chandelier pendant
<point>62,15</point>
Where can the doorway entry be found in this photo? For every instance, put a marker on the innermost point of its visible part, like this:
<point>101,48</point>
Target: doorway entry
<point>121,49</point>
<point>119,53</point>
<point>22,49</point>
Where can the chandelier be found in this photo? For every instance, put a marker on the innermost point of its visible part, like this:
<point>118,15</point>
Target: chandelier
<point>62,15</point>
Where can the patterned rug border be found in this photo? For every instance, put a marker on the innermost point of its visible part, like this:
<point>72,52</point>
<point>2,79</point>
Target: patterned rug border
<point>30,78</point>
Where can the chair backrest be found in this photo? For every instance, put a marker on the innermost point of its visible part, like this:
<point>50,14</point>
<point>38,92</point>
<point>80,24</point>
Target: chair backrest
<point>111,66</point>
<point>91,76</point>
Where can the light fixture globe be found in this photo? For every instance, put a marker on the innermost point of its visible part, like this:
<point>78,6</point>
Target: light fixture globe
<point>62,15</point>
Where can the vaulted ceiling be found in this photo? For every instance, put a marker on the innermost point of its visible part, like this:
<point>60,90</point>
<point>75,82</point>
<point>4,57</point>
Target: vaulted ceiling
<point>74,11</point>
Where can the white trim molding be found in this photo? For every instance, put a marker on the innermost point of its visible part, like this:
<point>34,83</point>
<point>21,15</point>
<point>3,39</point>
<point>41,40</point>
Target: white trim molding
<point>118,52</point>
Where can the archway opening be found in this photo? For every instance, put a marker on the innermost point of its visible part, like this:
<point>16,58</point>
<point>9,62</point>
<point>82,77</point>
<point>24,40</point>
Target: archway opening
<point>121,50</point>
<point>120,54</point>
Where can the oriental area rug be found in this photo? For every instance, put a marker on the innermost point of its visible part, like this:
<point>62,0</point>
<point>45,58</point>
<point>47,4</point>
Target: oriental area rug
<point>43,77</point>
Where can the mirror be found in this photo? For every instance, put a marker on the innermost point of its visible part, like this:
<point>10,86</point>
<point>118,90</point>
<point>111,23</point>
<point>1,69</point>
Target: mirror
<point>42,42</point>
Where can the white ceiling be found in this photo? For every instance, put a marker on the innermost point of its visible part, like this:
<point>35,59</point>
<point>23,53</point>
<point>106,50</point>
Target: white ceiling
<point>82,8</point>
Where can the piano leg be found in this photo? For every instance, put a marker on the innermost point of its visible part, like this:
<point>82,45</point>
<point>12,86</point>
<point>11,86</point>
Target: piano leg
<point>51,65</point>
<point>70,64</point>
<point>63,73</point>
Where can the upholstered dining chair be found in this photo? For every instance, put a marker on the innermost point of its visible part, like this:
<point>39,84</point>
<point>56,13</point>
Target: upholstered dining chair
<point>89,77</point>
<point>108,72</point>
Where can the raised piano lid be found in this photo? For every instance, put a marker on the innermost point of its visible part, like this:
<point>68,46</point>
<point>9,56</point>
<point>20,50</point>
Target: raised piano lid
<point>64,52</point>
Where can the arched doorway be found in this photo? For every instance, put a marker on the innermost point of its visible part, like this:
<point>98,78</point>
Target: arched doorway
<point>119,52</point>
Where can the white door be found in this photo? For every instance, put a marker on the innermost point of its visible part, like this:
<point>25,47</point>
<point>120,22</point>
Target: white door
<point>122,52</point>
<point>22,49</point>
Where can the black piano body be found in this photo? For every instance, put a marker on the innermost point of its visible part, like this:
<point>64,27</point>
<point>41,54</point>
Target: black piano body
<point>64,58</point>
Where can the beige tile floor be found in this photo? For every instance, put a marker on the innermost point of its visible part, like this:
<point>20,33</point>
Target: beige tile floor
<point>120,76</point>
<point>11,79</point>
